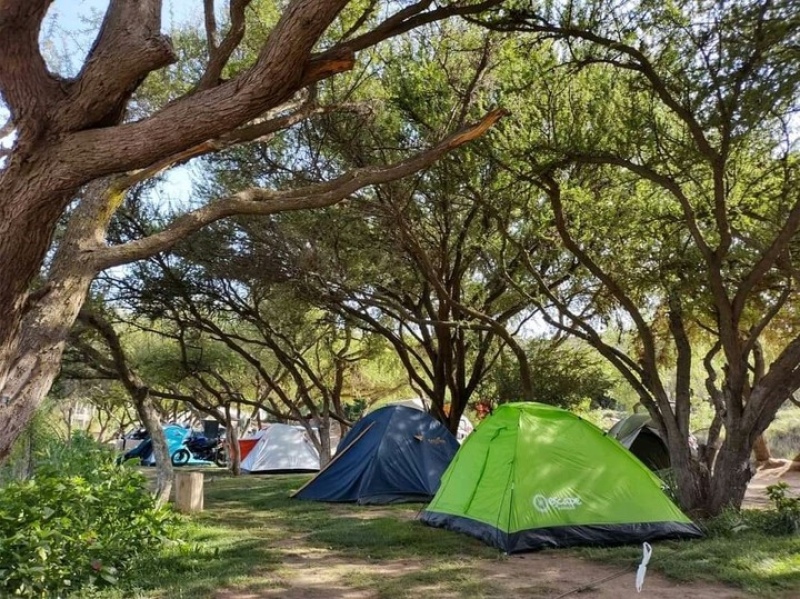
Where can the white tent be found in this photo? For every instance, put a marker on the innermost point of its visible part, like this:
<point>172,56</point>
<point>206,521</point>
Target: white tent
<point>282,447</point>
<point>464,425</point>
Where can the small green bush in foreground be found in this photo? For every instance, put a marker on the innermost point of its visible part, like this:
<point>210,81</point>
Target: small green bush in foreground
<point>80,521</point>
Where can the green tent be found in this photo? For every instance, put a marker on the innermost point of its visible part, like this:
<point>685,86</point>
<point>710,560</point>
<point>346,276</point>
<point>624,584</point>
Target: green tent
<point>533,476</point>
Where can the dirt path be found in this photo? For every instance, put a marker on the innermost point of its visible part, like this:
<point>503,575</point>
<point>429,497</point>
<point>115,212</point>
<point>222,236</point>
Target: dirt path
<point>756,496</point>
<point>548,575</point>
<point>316,574</point>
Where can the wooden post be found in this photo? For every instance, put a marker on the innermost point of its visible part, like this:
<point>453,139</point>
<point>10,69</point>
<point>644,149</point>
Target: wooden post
<point>189,492</point>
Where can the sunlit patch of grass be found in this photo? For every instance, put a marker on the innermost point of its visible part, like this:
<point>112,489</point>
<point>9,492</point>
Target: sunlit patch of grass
<point>762,564</point>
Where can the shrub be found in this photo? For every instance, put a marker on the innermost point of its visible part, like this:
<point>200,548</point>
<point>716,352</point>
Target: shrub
<point>80,521</point>
<point>784,519</point>
<point>788,508</point>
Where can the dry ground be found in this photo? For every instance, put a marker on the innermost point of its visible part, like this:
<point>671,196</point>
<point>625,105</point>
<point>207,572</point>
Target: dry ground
<point>756,492</point>
<point>311,574</point>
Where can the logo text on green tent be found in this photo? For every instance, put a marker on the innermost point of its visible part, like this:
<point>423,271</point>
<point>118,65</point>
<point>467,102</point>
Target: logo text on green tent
<point>544,504</point>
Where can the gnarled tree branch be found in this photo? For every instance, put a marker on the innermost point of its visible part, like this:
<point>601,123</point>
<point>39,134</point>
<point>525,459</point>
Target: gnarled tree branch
<point>128,47</point>
<point>26,85</point>
<point>264,201</point>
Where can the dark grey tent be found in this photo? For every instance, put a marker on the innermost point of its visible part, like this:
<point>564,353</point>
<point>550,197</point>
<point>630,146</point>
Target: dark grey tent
<point>394,454</point>
<point>640,436</point>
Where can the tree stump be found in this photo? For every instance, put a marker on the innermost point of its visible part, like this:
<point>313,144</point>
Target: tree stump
<point>189,492</point>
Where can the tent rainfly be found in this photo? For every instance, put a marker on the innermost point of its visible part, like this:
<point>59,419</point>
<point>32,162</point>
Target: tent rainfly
<point>638,434</point>
<point>282,448</point>
<point>393,454</point>
<point>533,476</point>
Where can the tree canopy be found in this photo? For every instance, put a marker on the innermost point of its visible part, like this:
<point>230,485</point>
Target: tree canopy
<point>640,204</point>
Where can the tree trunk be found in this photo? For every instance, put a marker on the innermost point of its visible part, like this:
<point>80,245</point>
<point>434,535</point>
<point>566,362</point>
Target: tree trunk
<point>28,218</point>
<point>149,416</point>
<point>732,473</point>
<point>69,422</point>
<point>234,451</point>
<point>691,477</point>
<point>704,494</point>
<point>23,466</point>
<point>38,358</point>
<point>761,450</point>
<point>50,312</point>
<point>324,441</point>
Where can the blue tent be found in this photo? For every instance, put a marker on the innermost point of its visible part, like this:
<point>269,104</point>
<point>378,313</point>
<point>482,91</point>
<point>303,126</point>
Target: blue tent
<point>394,454</point>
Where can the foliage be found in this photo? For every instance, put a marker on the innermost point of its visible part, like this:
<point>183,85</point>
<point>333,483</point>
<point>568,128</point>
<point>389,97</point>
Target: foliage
<point>562,376</point>
<point>79,521</point>
<point>734,522</point>
<point>668,189</point>
<point>39,433</point>
<point>787,508</point>
<point>355,409</point>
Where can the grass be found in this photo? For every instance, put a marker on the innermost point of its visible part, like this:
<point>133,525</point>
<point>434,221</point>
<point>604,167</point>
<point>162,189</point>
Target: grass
<point>253,539</point>
<point>764,564</point>
<point>250,528</point>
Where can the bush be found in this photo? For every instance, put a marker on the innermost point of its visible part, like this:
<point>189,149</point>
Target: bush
<point>784,519</point>
<point>80,521</point>
<point>788,508</point>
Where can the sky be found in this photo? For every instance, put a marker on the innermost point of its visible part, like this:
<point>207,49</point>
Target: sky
<point>73,13</point>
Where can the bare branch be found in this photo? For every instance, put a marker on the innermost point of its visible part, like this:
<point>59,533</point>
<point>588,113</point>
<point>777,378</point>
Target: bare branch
<point>782,379</point>
<point>756,330</point>
<point>263,201</point>
<point>554,194</point>
<point>369,10</point>
<point>412,17</point>
<point>258,131</point>
<point>480,72</point>
<point>768,259</point>
<point>219,54</point>
<point>714,393</point>
<point>211,25</point>
<point>683,362</point>
<point>118,360</point>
